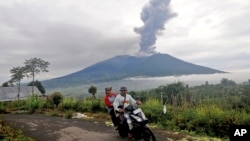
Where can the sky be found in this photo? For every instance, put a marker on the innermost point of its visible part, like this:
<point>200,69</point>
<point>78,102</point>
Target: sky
<point>73,35</point>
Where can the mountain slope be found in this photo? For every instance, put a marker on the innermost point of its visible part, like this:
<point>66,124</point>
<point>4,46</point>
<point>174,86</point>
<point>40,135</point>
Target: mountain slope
<point>121,67</point>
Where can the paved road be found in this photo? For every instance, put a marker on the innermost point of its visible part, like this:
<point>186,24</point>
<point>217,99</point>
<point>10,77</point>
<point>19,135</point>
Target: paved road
<point>49,128</point>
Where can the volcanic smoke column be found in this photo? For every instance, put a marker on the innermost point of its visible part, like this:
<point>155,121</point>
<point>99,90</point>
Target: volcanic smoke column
<point>154,16</point>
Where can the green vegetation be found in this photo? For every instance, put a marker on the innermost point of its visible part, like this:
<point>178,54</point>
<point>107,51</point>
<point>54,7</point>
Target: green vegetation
<point>33,103</point>
<point>39,86</point>
<point>56,98</point>
<point>7,133</point>
<point>92,90</point>
<point>204,110</point>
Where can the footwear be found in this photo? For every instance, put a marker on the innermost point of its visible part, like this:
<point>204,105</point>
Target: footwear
<point>130,135</point>
<point>116,128</point>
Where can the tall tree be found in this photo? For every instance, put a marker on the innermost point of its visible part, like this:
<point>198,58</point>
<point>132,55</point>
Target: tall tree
<point>35,66</point>
<point>18,73</point>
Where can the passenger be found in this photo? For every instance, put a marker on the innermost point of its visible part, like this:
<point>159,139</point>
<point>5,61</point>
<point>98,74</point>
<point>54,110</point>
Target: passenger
<point>108,100</point>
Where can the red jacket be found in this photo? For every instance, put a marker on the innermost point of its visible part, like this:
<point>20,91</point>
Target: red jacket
<point>108,100</point>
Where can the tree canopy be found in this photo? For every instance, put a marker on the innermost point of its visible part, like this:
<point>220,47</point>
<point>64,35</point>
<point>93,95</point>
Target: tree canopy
<point>92,90</point>
<point>18,73</point>
<point>34,66</point>
<point>39,86</point>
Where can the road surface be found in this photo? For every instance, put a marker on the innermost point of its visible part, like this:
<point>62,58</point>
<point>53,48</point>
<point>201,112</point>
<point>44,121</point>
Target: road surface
<point>50,128</point>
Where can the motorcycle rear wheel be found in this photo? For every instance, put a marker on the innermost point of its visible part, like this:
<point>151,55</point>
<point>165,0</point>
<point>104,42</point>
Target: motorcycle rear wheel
<point>123,130</point>
<point>148,135</point>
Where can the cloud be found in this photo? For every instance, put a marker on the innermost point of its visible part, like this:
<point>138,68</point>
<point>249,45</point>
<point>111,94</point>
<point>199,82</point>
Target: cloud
<point>73,35</point>
<point>70,39</point>
<point>209,33</point>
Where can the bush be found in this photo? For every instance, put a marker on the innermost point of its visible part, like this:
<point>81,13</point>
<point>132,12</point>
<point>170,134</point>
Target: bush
<point>91,105</point>
<point>208,119</point>
<point>85,105</point>
<point>15,105</point>
<point>34,102</point>
<point>2,108</point>
<point>152,109</point>
<point>69,103</point>
<point>56,98</point>
<point>68,114</point>
<point>7,133</point>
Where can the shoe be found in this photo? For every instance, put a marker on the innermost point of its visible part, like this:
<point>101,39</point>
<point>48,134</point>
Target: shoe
<point>130,135</point>
<point>116,127</point>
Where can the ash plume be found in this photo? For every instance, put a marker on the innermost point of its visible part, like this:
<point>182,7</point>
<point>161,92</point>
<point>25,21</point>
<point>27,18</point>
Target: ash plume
<point>154,16</point>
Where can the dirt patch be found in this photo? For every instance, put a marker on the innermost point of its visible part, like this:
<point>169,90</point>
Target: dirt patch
<point>76,134</point>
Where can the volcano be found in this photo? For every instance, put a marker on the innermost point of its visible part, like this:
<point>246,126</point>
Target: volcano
<point>125,66</point>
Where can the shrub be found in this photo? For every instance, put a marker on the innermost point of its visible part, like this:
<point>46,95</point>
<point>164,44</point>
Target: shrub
<point>152,109</point>
<point>68,114</point>
<point>91,105</point>
<point>2,108</point>
<point>56,98</point>
<point>34,102</point>
<point>69,103</point>
<point>9,133</point>
<point>16,105</point>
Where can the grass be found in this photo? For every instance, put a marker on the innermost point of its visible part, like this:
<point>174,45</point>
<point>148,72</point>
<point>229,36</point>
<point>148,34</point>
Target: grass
<point>8,133</point>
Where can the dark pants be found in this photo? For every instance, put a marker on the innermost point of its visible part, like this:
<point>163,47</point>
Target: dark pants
<point>113,117</point>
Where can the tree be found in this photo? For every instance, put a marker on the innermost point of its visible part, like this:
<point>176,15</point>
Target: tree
<point>92,90</point>
<point>7,84</point>
<point>18,73</point>
<point>39,86</point>
<point>56,98</point>
<point>35,66</point>
<point>171,91</point>
<point>226,82</point>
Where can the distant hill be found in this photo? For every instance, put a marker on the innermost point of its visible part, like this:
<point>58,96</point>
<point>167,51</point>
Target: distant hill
<point>120,67</point>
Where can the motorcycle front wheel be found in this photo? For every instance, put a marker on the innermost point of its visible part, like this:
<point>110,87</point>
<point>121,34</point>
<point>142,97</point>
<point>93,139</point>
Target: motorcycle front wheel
<point>148,135</point>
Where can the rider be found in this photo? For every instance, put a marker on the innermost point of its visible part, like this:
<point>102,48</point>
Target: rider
<point>108,100</point>
<point>121,101</point>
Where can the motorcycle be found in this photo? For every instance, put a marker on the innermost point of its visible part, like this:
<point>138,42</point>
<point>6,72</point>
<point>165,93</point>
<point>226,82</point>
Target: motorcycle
<point>140,129</point>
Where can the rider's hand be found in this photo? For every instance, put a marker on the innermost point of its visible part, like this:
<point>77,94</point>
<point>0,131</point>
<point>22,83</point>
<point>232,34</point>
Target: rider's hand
<point>138,102</point>
<point>121,110</point>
